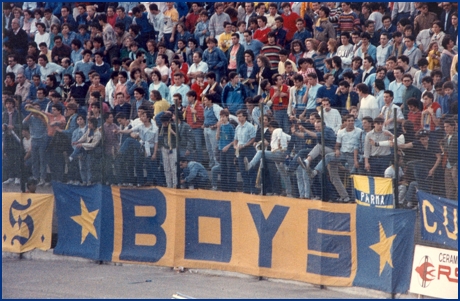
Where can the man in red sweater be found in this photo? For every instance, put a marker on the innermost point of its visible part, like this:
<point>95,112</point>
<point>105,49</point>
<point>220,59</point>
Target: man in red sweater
<point>279,95</point>
<point>289,18</point>
<point>194,116</point>
<point>263,30</point>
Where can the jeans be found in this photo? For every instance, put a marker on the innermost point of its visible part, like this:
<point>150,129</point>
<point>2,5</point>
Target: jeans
<point>215,172</point>
<point>278,157</point>
<point>293,164</point>
<point>90,168</point>
<point>303,183</point>
<point>39,158</point>
<point>198,135</point>
<point>334,170</point>
<point>249,177</point>
<point>228,171</point>
<point>151,166</point>
<point>211,145</point>
<point>169,162</point>
<point>282,118</point>
<point>378,165</point>
<point>128,155</point>
<point>166,37</point>
<point>57,165</point>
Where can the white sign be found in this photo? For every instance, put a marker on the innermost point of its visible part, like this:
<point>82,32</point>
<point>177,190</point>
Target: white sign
<point>435,272</point>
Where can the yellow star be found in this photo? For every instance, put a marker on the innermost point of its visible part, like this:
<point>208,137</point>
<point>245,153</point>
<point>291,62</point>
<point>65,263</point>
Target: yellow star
<point>86,221</point>
<point>383,248</point>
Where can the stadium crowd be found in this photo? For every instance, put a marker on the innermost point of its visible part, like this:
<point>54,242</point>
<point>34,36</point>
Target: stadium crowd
<point>95,87</point>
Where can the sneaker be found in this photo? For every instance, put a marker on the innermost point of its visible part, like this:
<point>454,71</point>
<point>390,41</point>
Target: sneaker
<point>70,159</point>
<point>17,181</point>
<point>289,195</point>
<point>344,200</point>
<point>313,173</point>
<point>302,163</point>
<point>246,164</point>
<point>10,180</point>
<point>214,188</point>
<point>41,183</point>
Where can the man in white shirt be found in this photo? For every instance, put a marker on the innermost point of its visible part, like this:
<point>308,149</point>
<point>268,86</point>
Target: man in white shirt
<point>332,116</point>
<point>198,66</point>
<point>179,87</point>
<point>383,50</point>
<point>156,18</point>
<point>397,86</point>
<point>272,14</point>
<point>387,112</point>
<point>312,89</point>
<point>47,68</point>
<point>345,51</point>
<point>13,65</point>
<point>369,105</point>
<point>162,67</point>
<point>346,150</point>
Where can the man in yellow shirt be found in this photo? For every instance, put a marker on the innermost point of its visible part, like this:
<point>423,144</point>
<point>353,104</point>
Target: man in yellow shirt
<point>225,39</point>
<point>159,104</point>
<point>171,17</point>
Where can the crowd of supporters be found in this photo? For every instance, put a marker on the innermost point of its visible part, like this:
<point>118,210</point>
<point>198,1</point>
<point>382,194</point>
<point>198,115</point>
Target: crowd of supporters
<point>102,90</point>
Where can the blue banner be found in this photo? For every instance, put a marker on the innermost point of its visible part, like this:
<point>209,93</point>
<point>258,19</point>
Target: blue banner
<point>439,219</point>
<point>314,242</point>
<point>385,238</point>
<point>85,219</point>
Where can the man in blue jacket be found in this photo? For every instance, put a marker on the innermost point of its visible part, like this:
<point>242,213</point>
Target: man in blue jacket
<point>233,94</point>
<point>194,174</point>
<point>215,58</point>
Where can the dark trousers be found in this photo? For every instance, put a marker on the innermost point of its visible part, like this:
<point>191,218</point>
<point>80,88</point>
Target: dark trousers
<point>249,177</point>
<point>228,170</point>
<point>378,165</point>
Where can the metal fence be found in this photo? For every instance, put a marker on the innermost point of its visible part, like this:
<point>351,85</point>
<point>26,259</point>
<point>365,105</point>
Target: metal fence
<point>311,165</point>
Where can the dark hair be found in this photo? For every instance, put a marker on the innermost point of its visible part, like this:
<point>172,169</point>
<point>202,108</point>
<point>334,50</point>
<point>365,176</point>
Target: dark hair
<point>140,90</point>
<point>192,93</point>
<point>445,41</point>
<point>243,112</point>
<point>429,95</point>
<point>349,74</point>
<point>211,75</point>
<point>369,59</point>
<point>413,102</point>
<point>380,85</point>
<point>344,83</point>
<point>273,124</point>
<point>389,92</point>
<point>363,88</point>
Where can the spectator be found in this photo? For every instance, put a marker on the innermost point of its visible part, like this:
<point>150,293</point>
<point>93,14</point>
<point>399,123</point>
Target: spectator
<point>447,57</point>
<point>216,23</point>
<point>90,169</point>
<point>369,105</point>
<point>450,147</point>
<point>195,175</point>
<point>377,157</point>
<point>215,58</point>
<point>11,143</point>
